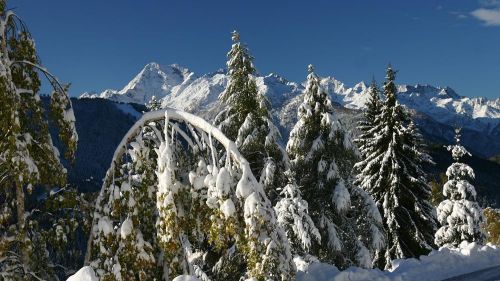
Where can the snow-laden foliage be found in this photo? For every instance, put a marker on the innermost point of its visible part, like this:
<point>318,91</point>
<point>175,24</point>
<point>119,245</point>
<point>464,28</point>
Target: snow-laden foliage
<point>322,156</point>
<point>208,216</point>
<point>246,119</point>
<point>366,126</point>
<point>29,162</point>
<point>459,214</point>
<point>293,215</point>
<point>391,172</point>
<point>153,104</point>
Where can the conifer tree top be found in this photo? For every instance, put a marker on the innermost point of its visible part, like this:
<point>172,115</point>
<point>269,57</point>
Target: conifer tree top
<point>310,68</point>
<point>457,150</point>
<point>389,86</point>
<point>235,36</point>
<point>373,84</point>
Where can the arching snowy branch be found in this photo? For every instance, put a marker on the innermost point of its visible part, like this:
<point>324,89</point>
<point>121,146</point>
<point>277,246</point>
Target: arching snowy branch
<point>192,200</point>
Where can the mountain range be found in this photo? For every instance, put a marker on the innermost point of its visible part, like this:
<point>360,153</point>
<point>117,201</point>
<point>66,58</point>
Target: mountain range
<point>437,110</point>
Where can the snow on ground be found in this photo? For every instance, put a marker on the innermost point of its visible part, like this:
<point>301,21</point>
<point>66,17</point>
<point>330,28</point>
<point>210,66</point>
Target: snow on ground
<point>438,265</point>
<point>86,273</point>
<point>129,109</point>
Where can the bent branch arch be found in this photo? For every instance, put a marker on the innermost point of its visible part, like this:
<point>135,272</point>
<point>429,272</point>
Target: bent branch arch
<point>239,199</point>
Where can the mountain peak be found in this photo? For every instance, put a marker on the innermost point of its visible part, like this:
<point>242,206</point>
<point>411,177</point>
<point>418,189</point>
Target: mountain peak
<point>153,80</point>
<point>360,87</point>
<point>178,87</point>
<point>163,70</point>
<point>450,93</point>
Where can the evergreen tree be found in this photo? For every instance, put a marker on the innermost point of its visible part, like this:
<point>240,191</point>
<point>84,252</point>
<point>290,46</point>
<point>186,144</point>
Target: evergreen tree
<point>153,104</point>
<point>365,126</point>
<point>391,173</point>
<point>28,158</point>
<point>247,121</point>
<point>322,156</point>
<point>459,214</point>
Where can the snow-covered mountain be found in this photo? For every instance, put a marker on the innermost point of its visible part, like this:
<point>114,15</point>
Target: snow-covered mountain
<point>153,80</point>
<point>180,88</point>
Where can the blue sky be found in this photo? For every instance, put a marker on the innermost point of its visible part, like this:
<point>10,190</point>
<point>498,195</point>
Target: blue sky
<point>103,44</point>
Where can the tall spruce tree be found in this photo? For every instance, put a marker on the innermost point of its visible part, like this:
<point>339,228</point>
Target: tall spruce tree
<point>247,121</point>
<point>28,158</point>
<point>367,125</point>
<point>391,172</point>
<point>322,156</point>
<point>459,214</point>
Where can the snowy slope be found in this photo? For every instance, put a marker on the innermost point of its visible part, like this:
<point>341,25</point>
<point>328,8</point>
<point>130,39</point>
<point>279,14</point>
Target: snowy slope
<point>179,88</point>
<point>198,95</point>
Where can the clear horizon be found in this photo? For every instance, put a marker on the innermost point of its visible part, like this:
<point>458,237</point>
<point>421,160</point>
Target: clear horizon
<point>97,45</point>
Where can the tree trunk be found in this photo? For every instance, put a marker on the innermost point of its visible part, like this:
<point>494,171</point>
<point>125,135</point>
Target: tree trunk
<point>88,252</point>
<point>21,222</point>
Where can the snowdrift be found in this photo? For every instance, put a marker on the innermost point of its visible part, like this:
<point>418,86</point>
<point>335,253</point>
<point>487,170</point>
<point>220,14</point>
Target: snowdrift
<point>440,264</point>
<point>86,273</point>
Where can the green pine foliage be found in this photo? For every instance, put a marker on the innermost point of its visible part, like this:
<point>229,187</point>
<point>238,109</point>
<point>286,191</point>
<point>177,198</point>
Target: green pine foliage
<point>437,189</point>
<point>29,162</point>
<point>391,172</point>
<point>131,253</point>
<point>492,225</point>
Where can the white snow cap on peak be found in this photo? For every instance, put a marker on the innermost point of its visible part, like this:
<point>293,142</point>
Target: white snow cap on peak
<point>180,88</point>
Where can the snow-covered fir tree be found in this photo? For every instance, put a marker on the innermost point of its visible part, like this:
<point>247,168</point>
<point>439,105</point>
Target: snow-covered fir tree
<point>322,156</point>
<point>247,121</point>
<point>28,158</point>
<point>391,172</point>
<point>153,104</point>
<point>369,122</point>
<point>459,214</point>
<point>211,217</point>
